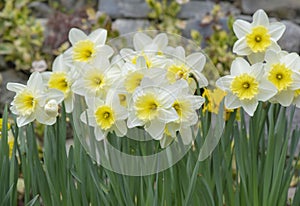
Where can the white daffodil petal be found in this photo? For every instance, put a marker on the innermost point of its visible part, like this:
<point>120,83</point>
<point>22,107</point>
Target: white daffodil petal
<point>285,98</point>
<point>167,115</point>
<point>266,91</point>
<point>98,36</point>
<point>140,40</point>
<point>196,61</point>
<point>155,129</point>
<point>256,57</point>
<point>239,66</point>
<point>99,135</point>
<point>241,28</point>
<point>15,87</point>
<point>232,102</point>
<point>133,121</point>
<point>240,47</point>
<point>224,82</point>
<point>161,41</point>
<point>276,30</point>
<point>76,35</point>
<point>121,128</point>
<point>260,18</point>
<point>35,82</point>
<point>186,135</point>
<point>24,120</point>
<point>250,106</point>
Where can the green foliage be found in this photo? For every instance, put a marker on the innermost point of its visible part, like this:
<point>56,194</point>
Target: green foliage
<point>251,165</point>
<point>219,44</point>
<point>163,15</point>
<point>21,34</point>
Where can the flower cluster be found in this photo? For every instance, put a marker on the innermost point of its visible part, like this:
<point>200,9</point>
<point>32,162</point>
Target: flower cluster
<point>272,74</point>
<point>151,85</point>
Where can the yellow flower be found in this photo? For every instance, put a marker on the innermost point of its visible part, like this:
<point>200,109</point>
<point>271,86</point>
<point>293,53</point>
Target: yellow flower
<point>147,107</point>
<point>84,51</point>
<point>244,87</point>
<point>214,99</point>
<point>259,39</point>
<point>105,117</point>
<point>176,72</point>
<point>59,80</point>
<point>280,76</point>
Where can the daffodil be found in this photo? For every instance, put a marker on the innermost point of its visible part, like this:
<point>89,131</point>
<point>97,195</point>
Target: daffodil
<point>61,78</point>
<point>245,86</point>
<point>255,38</point>
<point>106,116</point>
<point>152,50</point>
<point>183,67</point>
<point>186,106</point>
<point>282,71</point>
<point>152,107</point>
<point>30,99</point>
<point>96,80</point>
<point>85,48</point>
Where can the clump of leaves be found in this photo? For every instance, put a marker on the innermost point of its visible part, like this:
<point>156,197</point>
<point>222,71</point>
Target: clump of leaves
<point>163,15</point>
<point>59,25</point>
<point>219,44</point>
<point>21,35</point>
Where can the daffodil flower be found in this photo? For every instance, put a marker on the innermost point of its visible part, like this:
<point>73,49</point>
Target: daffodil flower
<point>96,80</point>
<point>245,86</point>
<point>185,105</point>
<point>61,78</point>
<point>85,48</point>
<point>30,99</point>
<point>255,38</point>
<point>152,50</point>
<point>151,107</point>
<point>106,116</point>
<point>282,71</point>
<point>182,67</point>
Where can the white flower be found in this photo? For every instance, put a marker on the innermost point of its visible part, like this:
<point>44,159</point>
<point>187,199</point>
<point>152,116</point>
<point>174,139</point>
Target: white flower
<point>96,80</point>
<point>62,78</point>
<point>86,48</point>
<point>106,116</point>
<point>182,67</point>
<point>282,71</point>
<point>255,38</point>
<point>30,99</point>
<point>185,106</point>
<point>151,107</point>
<point>245,86</point>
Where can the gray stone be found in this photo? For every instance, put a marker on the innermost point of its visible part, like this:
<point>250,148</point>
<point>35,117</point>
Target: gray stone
<point>125,26</point>
<point>124,9</point>
<point>40,9</point>
<point>290,39</point>
<point>250,6</point>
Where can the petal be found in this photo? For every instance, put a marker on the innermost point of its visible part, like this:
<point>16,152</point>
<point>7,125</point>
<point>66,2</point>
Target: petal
<point>15,87</point>
<point>240,47</point>
<point>196,61</point>
<point>23,120</point>
<point>250,106</point>
<point>99,135</point>
<point>239,66</point>
<point>260,18</point>
<point>161,41</point>
<point>167,115</point>
<point>98,36</point>
<point>276,30</point>
<point>133,121</point>
<point>285,98</point>
<point>166,141</point>
<point>140,40</point>
<point>179,54</point>
<point>58,64</point>
<point>224,82</point>
<point>232,101</point>
<point>241,28</point>
<point>105,51</point>
<point>76,35</point>
<point>155,129</point>
<point>120,128</point>
<point>256,57</point>
<point>272,57</point>
<point>257,70</point>
<point>266,91</point>
<point>69,103</point>
<point>35,82</point>
<point>290,60</point>
<point>42,117</point>
<point>186,135</point>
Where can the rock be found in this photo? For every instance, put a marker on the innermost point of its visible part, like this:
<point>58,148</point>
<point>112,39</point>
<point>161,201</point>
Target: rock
<point>40,9</point>
<point>290,39</point>
<point>125,26</point>
<point>250,6</point>
<point>124,9</point>
<point>10,75</point>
